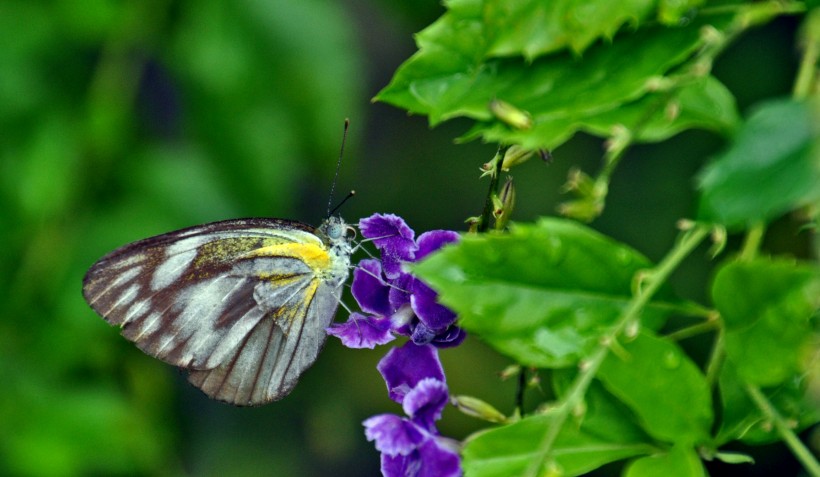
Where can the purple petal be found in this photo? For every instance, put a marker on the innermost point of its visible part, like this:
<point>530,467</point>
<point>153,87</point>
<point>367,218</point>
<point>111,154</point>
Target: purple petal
<point>361,331</point>
<point>452,336</point>
<point>431,460</point>
<point>425,402</point>
<point>393,238</point>
<point>401,465</point>
<point>402,287</point>
<point>433,240</point>
<point>370,291</point>
<point>433,314</point>
<point>422,334</point>
<point>402,368</point>
<point>392,434</point>
<point>438,459</point>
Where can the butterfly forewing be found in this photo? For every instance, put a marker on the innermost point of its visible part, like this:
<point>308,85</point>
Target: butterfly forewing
<point>242,304</point>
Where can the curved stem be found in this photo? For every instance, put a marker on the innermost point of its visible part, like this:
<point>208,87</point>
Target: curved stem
<point>800,451</point>
<point>656,278</point>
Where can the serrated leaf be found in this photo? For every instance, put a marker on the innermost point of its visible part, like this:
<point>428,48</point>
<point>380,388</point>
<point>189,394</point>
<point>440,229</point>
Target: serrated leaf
<point>514,448</point>
<point>705,104</point>
<point>742,420</point>
<point>531,28</point>
<point>767,306</point>
<point>680,461</point>
<point>450,76</point>
<point>671,12</point>
<point>542,294</point>
<point>772,167</point>
<point>662,386</point>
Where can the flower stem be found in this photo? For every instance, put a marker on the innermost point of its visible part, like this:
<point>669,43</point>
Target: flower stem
<point>807,73</point>
<point>655,278</point>
<point>484,224</point>
<point>752,241</point>
<point>693,330</point>
<point>800,451</point>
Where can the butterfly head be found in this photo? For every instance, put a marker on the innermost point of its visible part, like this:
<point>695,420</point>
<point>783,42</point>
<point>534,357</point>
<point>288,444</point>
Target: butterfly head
<point>339,236</point>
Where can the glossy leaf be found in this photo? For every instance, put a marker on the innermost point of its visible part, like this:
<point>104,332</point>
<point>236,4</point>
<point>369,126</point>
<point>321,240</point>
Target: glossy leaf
<point>662,386</point>
<point>705,104</point>
<point>514,448</point>
<point>680,461</point>
<point>453,75</point>
<point>542,294</point>
<point>741,419</point>
<point>773,166</point>
<point>531,28</point>
<point>767,306</point>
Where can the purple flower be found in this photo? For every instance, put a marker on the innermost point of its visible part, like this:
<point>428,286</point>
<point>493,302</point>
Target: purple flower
<point>412,446</point>
<point>395,301</point>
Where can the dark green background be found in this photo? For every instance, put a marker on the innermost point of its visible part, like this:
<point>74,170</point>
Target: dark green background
<point>121,120</point>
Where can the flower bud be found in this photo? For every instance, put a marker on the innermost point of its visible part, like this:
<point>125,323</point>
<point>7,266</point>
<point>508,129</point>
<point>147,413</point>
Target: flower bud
<point>511,115</point>
<point>472,224</point>
<point>514,156</point>
<point>475,407</point>
<point>504,204</point>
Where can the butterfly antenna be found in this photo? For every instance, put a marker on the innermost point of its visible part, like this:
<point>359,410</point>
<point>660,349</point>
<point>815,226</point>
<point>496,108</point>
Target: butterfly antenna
<point>333,211</point>
<point>336,175</point>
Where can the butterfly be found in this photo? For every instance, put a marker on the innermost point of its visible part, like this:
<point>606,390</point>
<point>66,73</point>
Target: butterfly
<point>242,305</point>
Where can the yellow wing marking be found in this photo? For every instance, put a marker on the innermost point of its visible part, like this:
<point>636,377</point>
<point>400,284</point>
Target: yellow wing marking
<point>314,256</point>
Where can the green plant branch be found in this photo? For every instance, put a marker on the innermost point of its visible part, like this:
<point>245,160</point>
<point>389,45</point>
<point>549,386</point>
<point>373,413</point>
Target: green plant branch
<point>486,213</point>
<point>752,241</point>
<point>696,68</point>
<point>693,330</point>
<point>589,368</point>
<point>800,451</point>
<point>716,357</point>
<point>806,79</point>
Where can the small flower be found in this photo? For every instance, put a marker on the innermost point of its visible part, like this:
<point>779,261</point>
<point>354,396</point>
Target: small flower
<point>394,301</point>
<point>412,446</point>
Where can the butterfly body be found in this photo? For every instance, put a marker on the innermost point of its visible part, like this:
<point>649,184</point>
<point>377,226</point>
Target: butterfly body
<point>240,304</point>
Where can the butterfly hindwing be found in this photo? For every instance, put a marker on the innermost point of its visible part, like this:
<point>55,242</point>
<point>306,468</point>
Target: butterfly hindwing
<point>241,303</point>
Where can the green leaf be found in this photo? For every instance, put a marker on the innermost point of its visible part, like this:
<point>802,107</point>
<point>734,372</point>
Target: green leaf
<point>767,305</point>
<point>542,294</point>
<point>531,28</point>
<point>772,167</point>
<point>451,76</point>
<point>680,461</point>
<point>662,386</point>
<point>704,104</point>
<point>512,449</point>
<point>741,419</point>
<point>604,416</point>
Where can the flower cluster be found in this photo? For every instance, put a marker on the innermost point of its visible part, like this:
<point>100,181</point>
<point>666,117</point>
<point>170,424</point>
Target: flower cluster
<point>395,301</point>
<point>412,446</point>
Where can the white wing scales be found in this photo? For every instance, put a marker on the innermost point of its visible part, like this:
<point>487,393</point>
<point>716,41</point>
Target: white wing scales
<point>245,328</point>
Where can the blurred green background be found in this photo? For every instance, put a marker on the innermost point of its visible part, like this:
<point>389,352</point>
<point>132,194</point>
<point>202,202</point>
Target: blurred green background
<point>125,119</point>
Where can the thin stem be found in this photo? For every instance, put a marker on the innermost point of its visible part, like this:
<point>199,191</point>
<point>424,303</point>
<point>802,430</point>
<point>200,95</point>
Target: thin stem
<point>655,279</point>
<point>519,393</point>
<point>484,225</point>
<point>716,358</point>
<point>800,451</point>
<point>807,74</point>
<point>692,330</point>
<point>752,241</point>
